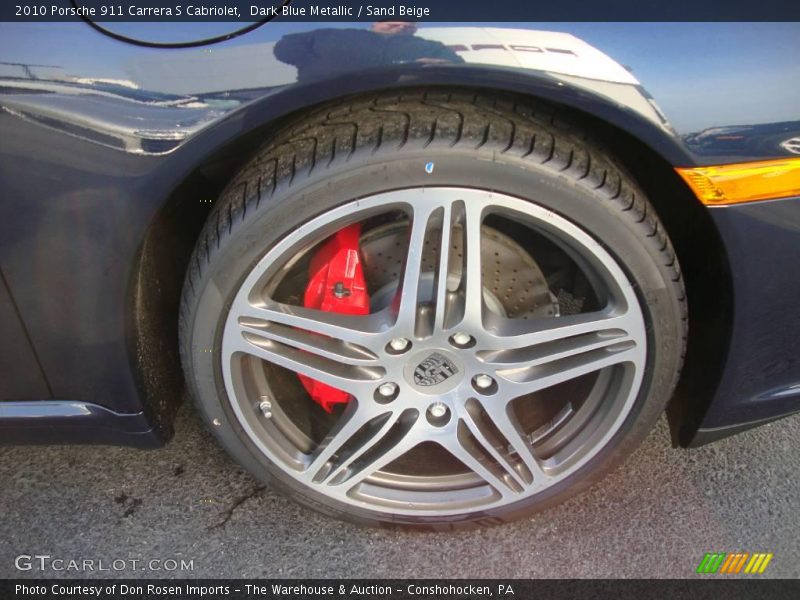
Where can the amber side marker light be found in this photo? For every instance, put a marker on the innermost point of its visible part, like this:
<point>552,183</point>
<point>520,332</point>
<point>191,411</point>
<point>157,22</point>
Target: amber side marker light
<point>744,182</point>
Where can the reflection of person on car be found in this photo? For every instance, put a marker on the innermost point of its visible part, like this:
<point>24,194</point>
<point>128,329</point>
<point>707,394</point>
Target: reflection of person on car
<point>324,51</point>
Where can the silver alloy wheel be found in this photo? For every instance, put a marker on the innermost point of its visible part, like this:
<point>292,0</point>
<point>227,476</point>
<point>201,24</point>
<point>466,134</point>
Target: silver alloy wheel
<point>445,393</point>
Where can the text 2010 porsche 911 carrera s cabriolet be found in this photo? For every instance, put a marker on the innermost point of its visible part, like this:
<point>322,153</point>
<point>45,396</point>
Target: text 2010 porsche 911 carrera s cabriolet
<point>410,275</point>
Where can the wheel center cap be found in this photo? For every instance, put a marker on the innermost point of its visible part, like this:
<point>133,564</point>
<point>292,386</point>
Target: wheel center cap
<point>434,371</point>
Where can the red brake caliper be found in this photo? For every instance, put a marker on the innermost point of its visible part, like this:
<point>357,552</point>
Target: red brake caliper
<point>335,284</point>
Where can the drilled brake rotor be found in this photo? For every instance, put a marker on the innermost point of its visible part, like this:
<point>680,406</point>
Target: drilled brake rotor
<point>511,278</point>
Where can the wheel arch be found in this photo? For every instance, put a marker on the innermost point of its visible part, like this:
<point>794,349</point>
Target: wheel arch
<point>207,161</point>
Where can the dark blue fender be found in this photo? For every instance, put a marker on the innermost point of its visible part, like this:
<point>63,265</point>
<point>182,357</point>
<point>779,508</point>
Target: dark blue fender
<point>110,154</point>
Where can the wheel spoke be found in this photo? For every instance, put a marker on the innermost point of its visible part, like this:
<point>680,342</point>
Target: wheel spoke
<point>367,331</point>
<point>422,219</point>
<point>440,217</point>
<point>468,453</point>
<point>351,378</point>
<point>556,338</point>
<point>393,439</point>
<point>366,438</point>
<point>514,475</point>
<point>530,379</point>
<point>324,346</point>
<point>356,418</point>
<point>502,418</point>
<point>441,291</point>
<point>515,334</point>
<point>553,350</point>
<point>472,286</point>
<point>558,432</point>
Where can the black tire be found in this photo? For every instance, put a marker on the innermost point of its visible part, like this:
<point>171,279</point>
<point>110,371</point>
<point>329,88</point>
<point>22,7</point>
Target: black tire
<point>378,143</point>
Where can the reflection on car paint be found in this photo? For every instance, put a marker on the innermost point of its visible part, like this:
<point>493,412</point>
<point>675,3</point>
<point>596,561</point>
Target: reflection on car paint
<point>168,97</point>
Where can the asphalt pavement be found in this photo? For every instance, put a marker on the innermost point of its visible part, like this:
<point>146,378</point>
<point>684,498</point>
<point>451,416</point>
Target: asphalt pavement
<point>656,516</point>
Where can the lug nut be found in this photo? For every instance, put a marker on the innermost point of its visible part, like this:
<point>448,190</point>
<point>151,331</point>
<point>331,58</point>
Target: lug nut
<point>483,382</point>
<point>399,344</point>
<point>438,410</point>
<point>387,390</point>
<point>462,339</point>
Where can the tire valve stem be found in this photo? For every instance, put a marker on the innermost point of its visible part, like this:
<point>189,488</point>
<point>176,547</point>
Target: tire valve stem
<point>265,406</point>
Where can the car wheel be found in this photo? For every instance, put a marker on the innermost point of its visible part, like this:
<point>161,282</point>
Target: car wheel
<point>522,319</point>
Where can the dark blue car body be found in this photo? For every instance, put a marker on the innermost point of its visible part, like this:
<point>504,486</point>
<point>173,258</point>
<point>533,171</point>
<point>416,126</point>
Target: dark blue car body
<point>112,152</point>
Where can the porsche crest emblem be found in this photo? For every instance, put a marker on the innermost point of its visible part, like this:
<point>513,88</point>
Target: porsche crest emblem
<point>435,369</point>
